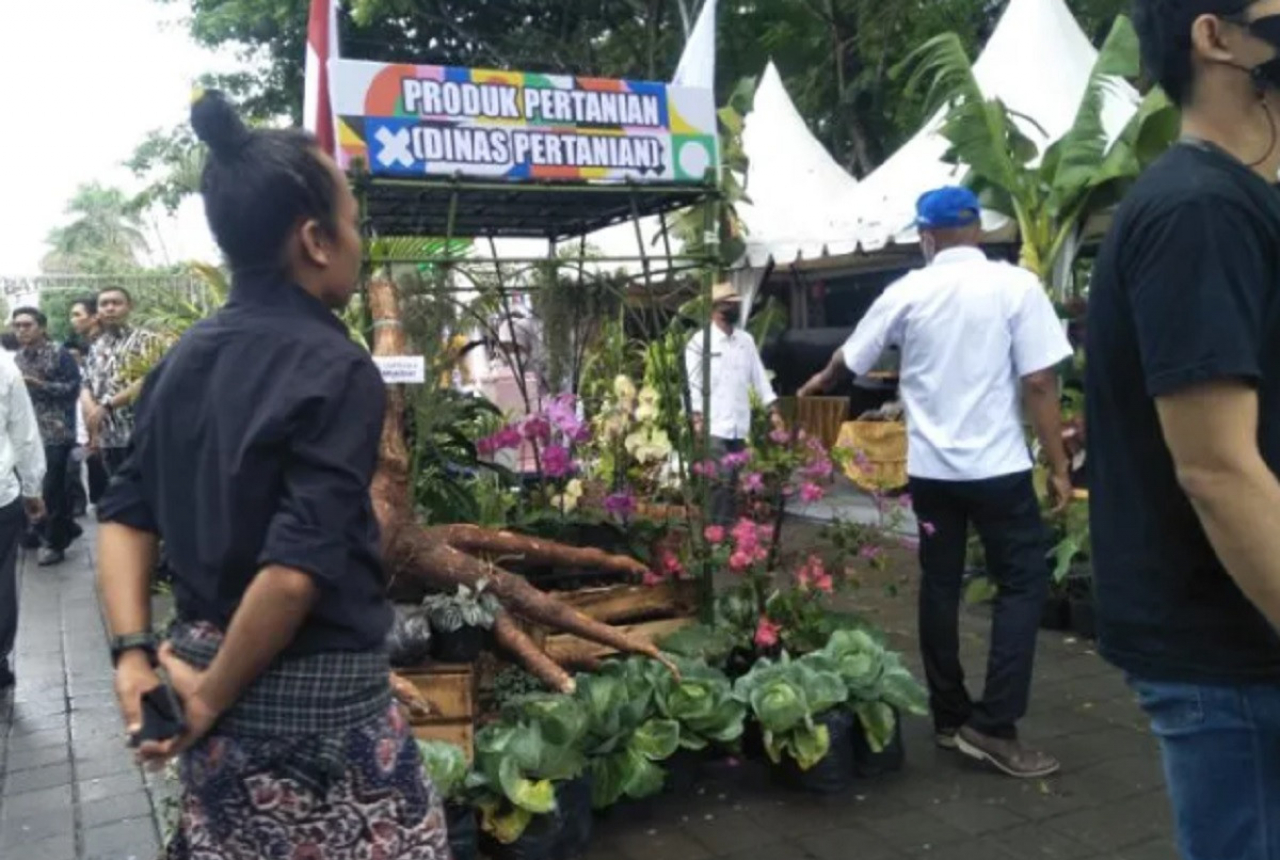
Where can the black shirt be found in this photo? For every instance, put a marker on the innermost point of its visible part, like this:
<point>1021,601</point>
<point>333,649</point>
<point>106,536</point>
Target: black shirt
<point>1184,292</point>
<point>255,443</point>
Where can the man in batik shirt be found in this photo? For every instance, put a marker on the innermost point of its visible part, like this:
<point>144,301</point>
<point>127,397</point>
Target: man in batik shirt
<point>112,377</point>
<point>53,381</point>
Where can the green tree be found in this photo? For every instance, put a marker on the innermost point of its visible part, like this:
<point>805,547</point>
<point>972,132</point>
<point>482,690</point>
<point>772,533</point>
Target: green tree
<point>1050,195</point>
<point>104,235</point>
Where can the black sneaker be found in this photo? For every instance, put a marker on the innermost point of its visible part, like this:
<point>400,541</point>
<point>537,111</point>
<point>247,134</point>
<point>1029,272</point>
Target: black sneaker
<point>945,738</point>
<point>6,676</point>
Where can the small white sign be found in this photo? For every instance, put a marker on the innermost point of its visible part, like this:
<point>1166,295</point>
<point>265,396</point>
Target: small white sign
<point>402,369</point>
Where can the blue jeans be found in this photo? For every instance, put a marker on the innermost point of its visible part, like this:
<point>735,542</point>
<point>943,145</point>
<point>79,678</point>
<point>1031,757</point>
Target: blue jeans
<point>1221,750</point>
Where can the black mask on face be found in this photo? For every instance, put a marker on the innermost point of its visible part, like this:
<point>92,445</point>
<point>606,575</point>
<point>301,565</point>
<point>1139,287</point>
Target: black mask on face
<point>1267,75</point>
<point>731,314</point>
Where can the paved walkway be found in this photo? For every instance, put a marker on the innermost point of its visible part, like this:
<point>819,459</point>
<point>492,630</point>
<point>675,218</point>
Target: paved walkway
<point>69,789</point>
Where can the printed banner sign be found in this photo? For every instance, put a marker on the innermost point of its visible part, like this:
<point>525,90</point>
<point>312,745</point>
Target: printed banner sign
<point>402,369</point>
<point>408,121</point>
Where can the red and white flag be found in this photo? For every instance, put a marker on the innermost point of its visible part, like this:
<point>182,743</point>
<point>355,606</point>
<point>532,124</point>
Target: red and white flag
<point>322,46</point>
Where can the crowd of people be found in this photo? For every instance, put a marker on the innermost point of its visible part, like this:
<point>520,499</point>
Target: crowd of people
<point>78,410</point>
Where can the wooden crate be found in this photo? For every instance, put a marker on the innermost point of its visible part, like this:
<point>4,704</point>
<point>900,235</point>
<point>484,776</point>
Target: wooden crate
<point>460,733</point>
<point>648,613</point>
<point>450,690</point>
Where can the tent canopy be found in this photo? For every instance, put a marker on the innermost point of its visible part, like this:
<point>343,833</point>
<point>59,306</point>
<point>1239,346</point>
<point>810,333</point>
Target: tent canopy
<point>1038,63</point>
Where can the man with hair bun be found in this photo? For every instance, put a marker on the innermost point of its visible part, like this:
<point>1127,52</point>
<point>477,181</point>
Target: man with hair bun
<point>255,442</point>
<point>1183,388</point>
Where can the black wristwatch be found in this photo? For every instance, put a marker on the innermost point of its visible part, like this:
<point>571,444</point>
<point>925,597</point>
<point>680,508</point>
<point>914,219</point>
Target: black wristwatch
<point>133,641</point>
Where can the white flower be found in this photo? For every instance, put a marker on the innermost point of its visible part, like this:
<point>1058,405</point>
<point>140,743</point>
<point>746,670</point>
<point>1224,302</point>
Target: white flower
<point>625,390</point>
<point>567,502</point>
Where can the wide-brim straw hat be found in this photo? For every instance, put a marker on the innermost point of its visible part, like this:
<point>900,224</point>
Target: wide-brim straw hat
<point>723,293</point>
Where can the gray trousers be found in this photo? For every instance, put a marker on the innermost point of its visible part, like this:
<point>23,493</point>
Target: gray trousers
<point>724,490</point>
<point>13,522</point>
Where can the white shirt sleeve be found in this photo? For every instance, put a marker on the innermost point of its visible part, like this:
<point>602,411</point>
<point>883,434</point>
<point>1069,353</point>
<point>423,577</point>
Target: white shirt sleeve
<point>880,328</point>
<point>693,369</point>
<point>1039,337</point>
<point>760,377</point>
<point>24,436</point>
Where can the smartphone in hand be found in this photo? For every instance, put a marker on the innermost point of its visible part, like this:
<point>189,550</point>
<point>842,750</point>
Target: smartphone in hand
<point>161,716</point>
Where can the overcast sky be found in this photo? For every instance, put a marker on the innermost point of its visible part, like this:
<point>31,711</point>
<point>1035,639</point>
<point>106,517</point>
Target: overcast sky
<point>81,83</point>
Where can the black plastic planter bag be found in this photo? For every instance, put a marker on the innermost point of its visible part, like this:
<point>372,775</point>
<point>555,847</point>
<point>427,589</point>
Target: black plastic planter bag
<point>834,773</point>
<point>464,840</point>
<point>538,842</point>
<point>683,771</point>
<point>574,801</point>
<point>458,646</point>
<point>867,762</point>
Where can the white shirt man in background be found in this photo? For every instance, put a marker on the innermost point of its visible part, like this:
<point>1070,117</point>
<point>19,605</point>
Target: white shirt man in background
<point>21,495</point>
<point>980,341</point>
<point>736,373</point>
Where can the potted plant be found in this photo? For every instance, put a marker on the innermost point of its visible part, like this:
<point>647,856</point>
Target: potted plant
<point>804,732</point>
<point>1072,576</point>
<point>627,737</point>
<point>701,703</point>
<point>459,622</point>
<point>446,766</point>
<point>529,778</point>
<point>880,689</point>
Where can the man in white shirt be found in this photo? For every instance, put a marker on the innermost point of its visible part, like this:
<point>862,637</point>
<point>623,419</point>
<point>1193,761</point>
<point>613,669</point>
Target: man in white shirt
<point>736,373</point>
<point>979,340</point>
<point>21,495</point>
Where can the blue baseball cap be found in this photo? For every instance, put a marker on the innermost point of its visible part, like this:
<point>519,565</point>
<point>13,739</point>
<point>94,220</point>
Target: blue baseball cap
<point>948,207</point>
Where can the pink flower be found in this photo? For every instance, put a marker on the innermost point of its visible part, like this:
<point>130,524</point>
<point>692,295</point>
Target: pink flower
<point>729,462</point>
<point>811,493</point>
<point>780,437</point>
<point>904,501</point>
<point>753,483</point>
<point>556,462</point>
<point>487,447</point>
<point>620,505</point>
<point>767,633</point>
<point>818,470</point>
<point>652,579</point>
<point>562,412</point>
<point>929,529</point>
<point>739,561</point>
<point>536,428</point>
<point>714,534</point>
<point>508,437</point>
<point>870,552</point>
<point>671,565</point>
<point>746,536</point>
<point>824,583</point>
<point>860,457</point>
<point>705,469</point>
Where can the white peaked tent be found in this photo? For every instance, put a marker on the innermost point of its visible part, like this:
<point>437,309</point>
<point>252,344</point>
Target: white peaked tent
<point>792,181</point>
<point>1037,62</point>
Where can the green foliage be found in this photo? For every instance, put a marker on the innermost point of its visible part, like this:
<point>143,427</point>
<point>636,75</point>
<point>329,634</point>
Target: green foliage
<point>446,766</point>
<point>1078,175</point>
<point>171,164</point>
<point>519,759</point>
<point>626,736</point>
<point>468,607</point>
<point>701,702</point>
<point>103,237</point>
<point>1073,540</point>
<point>878,684</point>
<point>785,697</point>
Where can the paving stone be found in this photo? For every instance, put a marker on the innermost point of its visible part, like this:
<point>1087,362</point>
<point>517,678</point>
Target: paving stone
<point>976,817</point>
<point>37,827</point>
<point>1118,826</point>
<point>131,839</point>
<point>667,842</point>
<point>118,808</point>
<point>33,802</point>
<point>27,759</point>
<point>1037,842</point>
<point>37,778</point>
<point>727,833</point>
<point>38,741</point>
<point>59,847</point>
<point>846,843</point>
<point>91,790</point>
<point>914,830</point>
<point>106,765</point>
<point>1159,849</point>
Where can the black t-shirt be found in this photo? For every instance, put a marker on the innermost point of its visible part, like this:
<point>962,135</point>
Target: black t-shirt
<point>1184,292</point>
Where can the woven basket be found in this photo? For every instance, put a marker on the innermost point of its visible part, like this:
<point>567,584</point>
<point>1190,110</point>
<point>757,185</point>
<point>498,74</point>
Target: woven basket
<point>883,445</point>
